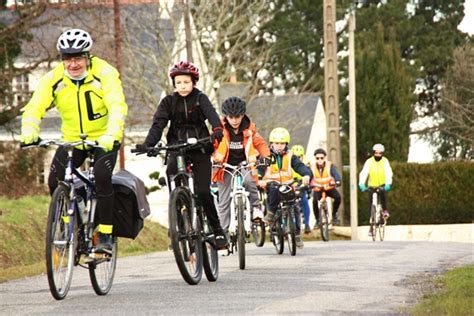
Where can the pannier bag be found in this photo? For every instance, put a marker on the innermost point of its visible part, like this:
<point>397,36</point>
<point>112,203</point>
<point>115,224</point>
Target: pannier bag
<point>130,204</point>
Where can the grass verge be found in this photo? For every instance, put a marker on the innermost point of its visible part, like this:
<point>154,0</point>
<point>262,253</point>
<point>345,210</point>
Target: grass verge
<point>22,231</point>
<point>454,294</point>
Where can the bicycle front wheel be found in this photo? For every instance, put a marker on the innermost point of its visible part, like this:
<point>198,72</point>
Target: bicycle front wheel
<point>373,222</point>
<point>210,257</point>
<point>60,243</point>
<point>324,221</point>
<point>185,239</point>
<point>258,232</point>
<point>278,238</point>
<point>291,230</point>
<point>241,236</point>
<point>102,270</point>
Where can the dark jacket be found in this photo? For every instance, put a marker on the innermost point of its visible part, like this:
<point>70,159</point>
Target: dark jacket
<point>187,119</point>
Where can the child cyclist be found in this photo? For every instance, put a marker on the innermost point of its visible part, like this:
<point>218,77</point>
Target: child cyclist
<point>241,142</point>
<point>280,171</point>
<point>298,151</point>
<point>187,110</point>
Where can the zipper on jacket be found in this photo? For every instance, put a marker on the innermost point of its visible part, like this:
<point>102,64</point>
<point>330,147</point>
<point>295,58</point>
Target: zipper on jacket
<point>79,108</point>
<point>186,113</point>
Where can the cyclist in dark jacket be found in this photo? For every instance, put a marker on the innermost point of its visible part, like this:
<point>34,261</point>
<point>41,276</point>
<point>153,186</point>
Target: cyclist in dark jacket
<point>187,110</point>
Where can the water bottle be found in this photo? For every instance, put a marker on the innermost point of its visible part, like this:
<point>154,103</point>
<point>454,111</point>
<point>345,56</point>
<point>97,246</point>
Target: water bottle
<point>82,208</point>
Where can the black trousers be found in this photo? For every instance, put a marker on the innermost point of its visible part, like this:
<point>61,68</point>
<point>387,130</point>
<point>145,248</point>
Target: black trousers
<point>331,193</point>
<point>202,169</point>
<point>383,201</point>
<point>104,163</point>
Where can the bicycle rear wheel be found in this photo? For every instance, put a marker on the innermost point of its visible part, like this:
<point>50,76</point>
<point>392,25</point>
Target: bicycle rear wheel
<point>324,221</point>
<point>60,243</point>
<point>185,239</point>
<point>102,270</point>
<point>291,232</point>
<point>258,232</point>
<point>209,250</point>
<point>278,238</point>
<point>241,235</point>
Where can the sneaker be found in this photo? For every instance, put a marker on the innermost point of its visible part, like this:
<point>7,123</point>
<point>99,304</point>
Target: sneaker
<point>104,244</point>
<point>386,214</point>
<point>221,240</point>
<point>257,214</point>
<point>335,220</point>
<point>269,217</point>
<point>307,229</point>
<point>299,242</point>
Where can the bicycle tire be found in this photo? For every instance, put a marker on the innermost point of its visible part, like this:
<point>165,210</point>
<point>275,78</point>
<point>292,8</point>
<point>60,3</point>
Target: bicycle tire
<point>241,235</point>
<point>324,221</point>
<point>373,222</point>
<point>209,250</point>
<point>258,233</point>
<point>291,233</point>
<point>185,239</point>
<point>60,248</point>
<point>102,270</point>
<point>278,239</point>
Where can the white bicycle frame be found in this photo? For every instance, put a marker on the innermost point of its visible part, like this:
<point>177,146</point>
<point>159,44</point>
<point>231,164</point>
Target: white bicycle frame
<point>378,207</point>
<point>238,189</point>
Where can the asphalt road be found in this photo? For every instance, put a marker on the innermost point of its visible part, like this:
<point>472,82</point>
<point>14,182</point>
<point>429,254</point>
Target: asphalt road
<point>338,277</point>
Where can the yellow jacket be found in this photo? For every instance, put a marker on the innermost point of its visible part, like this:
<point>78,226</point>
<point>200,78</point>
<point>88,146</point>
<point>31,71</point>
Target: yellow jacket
<point>378,172</point>
<point>96,108</point>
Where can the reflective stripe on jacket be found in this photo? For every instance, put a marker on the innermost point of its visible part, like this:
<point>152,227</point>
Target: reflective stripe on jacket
<point>283,175</point>
<point>96,108</point>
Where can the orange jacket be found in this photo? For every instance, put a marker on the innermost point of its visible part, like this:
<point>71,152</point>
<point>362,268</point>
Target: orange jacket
<point>254,146</point>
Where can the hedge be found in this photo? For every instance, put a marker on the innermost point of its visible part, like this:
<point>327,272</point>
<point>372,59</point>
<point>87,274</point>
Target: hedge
<point>437,193</point>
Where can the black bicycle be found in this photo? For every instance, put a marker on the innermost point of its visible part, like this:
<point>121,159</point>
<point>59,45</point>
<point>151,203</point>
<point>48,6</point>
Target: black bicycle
<point>377,221</point>
<point>284,223</point>
<point>192,240</point>
<point>71,233</point>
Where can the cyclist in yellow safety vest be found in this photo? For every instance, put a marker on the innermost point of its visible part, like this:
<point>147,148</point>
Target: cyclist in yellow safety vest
<point>280,171</point>
<point>298,151</point>
<point>325,174</point>
<point>87,92</point>
<point>377,169</point>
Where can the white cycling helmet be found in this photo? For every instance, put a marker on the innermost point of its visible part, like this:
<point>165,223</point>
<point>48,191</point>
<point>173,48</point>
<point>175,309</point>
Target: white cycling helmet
<point>74,41</point>
<point>378,147</point>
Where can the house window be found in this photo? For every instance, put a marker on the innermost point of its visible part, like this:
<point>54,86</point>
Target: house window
<point>21,88</point>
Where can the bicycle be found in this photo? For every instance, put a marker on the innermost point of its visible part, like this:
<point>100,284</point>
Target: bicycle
<point>71,230</point>
<point>241,224</point>
<point>192,241</point>
<point>377,221</point>
<point>284,223</point>
<point>325,215</point>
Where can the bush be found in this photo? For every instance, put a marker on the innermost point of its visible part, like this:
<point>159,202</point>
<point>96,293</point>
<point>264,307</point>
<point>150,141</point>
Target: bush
<point>21,170</point>
<point>438,193</point>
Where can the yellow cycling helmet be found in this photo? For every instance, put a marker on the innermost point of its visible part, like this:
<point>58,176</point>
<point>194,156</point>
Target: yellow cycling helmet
<point>298,150</point>
<point>279,135</point>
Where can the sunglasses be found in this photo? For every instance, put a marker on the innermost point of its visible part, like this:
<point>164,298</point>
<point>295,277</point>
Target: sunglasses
<point>319,158</point>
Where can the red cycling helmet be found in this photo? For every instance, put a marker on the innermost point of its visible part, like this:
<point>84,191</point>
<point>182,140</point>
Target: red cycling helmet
<point>184,68</point>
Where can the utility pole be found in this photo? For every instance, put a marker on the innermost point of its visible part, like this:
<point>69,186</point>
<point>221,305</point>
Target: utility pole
<point>331,90</point>
<point>352,127</point>
<point>118,61</point>
<point>187,31</point>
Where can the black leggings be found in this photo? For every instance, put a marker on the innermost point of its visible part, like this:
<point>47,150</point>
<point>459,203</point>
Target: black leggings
<point>383,201</point>
<point>331,193</point>
<point>202,168</point>
<point>104,163</point>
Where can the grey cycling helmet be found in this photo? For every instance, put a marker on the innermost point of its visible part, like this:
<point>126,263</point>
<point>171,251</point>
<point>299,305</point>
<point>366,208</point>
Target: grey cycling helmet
<point>378,147</point>
<point>74,41</point>
<point>233,106</point>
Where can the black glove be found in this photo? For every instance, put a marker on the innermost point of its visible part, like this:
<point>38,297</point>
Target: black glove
<point>264,161</point>
<point>217,134</point>
<point>141,147</point>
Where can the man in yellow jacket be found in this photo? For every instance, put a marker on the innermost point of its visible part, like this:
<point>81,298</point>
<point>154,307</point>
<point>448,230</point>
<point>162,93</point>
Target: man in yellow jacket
<point>88,94</point>
<point>379,173</point>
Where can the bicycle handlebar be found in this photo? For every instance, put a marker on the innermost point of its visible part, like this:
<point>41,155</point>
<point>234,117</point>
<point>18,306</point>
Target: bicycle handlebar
<point>45,143</point>
<point>189,144</point>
